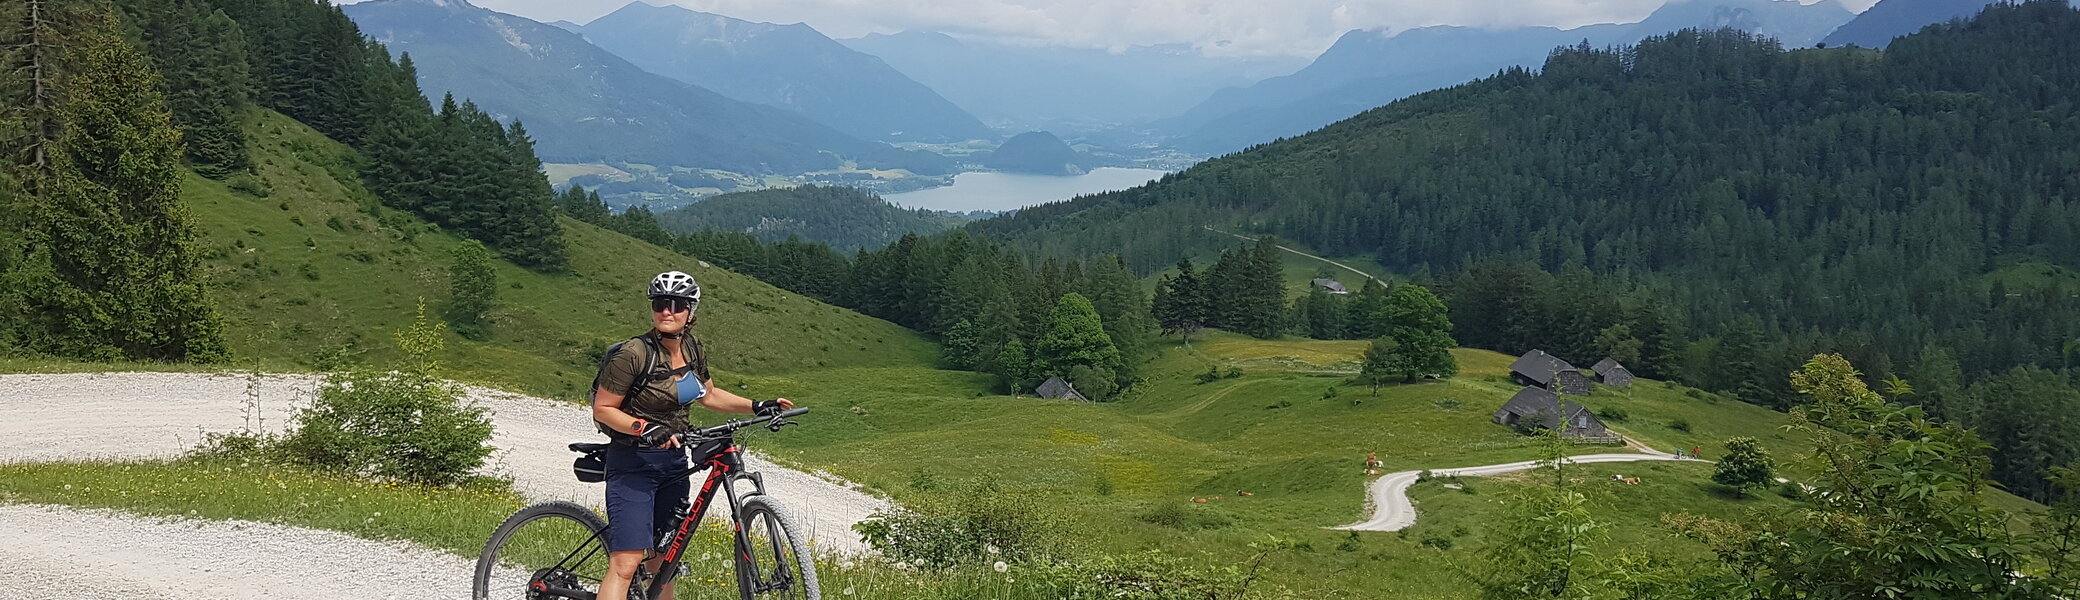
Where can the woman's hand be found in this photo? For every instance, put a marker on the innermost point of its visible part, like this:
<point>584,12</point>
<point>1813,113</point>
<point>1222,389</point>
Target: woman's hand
<point>771,406</point>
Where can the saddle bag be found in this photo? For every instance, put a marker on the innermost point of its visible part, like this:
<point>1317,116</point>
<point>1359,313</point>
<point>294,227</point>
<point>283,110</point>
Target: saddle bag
<point>591,464</point>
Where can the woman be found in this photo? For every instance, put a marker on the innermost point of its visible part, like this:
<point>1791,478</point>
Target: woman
<point>642,411</point>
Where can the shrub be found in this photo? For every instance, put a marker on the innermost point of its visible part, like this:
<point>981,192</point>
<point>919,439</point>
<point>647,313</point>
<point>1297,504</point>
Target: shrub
<point>407,425</point>
<point>1150,575</point>
<point>983,523</point>
<point>1232,373</point>
<point>1613,413</point>
<point>1680,425</point>
<point>1211,375</point>
<point>1436,541</point>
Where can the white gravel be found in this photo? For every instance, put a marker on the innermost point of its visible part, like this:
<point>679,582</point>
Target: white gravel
<point>71,417</point>
<point>65,552</point>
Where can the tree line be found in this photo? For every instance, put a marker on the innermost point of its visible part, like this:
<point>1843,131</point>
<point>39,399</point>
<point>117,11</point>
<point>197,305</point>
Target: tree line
<point>453,165</point>
<point>108,102</point>
<point>96,255</point>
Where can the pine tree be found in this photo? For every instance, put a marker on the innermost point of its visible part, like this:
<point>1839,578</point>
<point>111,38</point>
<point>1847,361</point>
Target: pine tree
<point>961,346</point>
<point>1361,309</point>
<point>122,277</point>
<point>1180,305</point>
<point>1124,309</point>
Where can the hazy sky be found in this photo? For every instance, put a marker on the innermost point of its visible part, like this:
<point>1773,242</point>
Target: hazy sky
<point>1294,27</point>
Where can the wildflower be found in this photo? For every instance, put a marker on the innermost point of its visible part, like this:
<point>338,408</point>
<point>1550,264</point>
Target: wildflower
<point>1001,567</point>
<point>848,590</point>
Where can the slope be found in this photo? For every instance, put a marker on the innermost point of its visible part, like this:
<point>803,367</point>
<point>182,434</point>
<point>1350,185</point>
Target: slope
<point>1698,163</point>
<point>1365,69</point>
<point>790,66</point>
<point>1893,18</point>
<point>309,273</point>
<point>584,104</point>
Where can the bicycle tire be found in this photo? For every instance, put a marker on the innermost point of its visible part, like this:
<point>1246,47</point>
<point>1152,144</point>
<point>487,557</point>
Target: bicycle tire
<point>766,521</point>
<point>582,522</point>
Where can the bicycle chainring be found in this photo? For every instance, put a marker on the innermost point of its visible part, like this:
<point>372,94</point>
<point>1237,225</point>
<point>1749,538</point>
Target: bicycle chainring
<point>552,577</point>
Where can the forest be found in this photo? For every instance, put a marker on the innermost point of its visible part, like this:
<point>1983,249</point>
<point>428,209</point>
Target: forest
<point>1734,206</point>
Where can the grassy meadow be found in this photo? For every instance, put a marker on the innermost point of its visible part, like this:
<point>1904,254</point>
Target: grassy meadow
<point>308,272</point>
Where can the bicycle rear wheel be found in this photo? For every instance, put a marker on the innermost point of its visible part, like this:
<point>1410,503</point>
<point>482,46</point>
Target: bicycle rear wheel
<point>540,551</point>
<point>780,566</point>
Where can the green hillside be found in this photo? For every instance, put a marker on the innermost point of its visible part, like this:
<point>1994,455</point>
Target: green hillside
<point>308,271</point>
<point>1287,430</point>
<point>1854,190</point>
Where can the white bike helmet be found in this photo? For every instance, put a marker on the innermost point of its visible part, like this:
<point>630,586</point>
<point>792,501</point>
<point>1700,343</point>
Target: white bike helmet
<point>674,284</point>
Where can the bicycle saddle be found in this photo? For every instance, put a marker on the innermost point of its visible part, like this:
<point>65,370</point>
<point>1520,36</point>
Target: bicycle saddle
<point>588,447</point>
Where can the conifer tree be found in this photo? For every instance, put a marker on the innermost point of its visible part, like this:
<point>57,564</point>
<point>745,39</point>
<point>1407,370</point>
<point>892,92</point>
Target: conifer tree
<point>1180,305</point>
<point>118,277</point>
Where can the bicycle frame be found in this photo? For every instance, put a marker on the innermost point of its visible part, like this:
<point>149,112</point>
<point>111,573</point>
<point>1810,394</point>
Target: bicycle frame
<point>724,468</point>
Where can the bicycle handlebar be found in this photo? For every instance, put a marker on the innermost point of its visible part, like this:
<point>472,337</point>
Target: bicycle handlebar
<point>730,427</point>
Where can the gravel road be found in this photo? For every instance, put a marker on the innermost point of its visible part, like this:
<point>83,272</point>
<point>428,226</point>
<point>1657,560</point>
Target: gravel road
<point>165,414</point>
<point>1393,511</point>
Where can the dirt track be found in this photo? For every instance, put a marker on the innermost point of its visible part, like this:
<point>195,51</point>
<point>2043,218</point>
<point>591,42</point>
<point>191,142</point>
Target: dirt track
<point>159,415</point>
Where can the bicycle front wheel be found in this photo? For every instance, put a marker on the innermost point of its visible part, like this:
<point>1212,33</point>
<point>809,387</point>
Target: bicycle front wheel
<point>546,551</point>
<point>779,565</point>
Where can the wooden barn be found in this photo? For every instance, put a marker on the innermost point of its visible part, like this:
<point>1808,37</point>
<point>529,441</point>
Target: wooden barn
<point>1541,408</point>
<point>1610,373</point>
<point>1536,368</point>
<point>1056,388</point>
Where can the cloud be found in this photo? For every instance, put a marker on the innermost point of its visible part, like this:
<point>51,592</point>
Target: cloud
<point>1246,27</point>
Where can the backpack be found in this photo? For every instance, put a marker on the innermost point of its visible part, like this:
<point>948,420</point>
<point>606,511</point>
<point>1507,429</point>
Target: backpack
<point>651,351</point>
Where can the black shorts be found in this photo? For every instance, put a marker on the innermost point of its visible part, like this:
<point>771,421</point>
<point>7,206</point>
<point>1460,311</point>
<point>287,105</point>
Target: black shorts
<point>646,491</point>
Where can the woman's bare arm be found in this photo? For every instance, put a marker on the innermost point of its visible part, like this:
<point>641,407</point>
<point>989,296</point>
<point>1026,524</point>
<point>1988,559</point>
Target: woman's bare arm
<point>721,400</point>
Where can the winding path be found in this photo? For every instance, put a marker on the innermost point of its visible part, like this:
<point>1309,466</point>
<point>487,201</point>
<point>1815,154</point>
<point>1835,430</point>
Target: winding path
<point>162,415</point>
<point>1393,511</point>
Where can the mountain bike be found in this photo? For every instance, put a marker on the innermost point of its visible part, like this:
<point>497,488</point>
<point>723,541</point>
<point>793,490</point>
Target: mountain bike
<point>558,549</point>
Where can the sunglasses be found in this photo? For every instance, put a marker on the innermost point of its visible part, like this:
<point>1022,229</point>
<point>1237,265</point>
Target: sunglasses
<point>675,305</point>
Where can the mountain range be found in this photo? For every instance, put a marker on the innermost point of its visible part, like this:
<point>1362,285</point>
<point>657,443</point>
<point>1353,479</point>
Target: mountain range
<point>1066,90</point>
<point>1366,68</point>
<point>584,104</point>
<point>790,66</point>
<point>1893,18</point>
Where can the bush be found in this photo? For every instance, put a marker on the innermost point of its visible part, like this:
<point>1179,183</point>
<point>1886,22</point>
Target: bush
<point>1211,375</point>
<point>1613,413</point>
<point>981,524</point>
<point>1437,541</point>
<point>1150,575</point>
<point>1680,425</point>
<point>1232,373</point>
<point>406,425</point>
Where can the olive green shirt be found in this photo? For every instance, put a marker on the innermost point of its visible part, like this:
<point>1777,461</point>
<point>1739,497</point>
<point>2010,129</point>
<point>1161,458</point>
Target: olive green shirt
<point>657,400</point>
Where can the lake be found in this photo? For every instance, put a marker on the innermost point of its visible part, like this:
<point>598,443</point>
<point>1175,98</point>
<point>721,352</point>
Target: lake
<point>1008,191</point>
